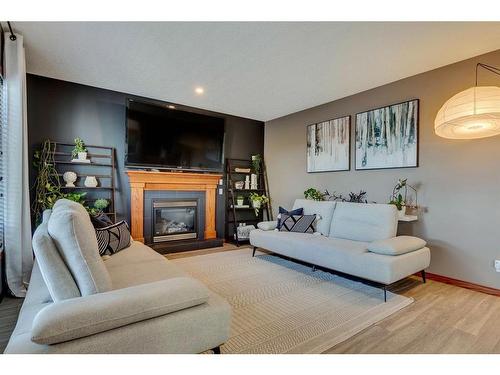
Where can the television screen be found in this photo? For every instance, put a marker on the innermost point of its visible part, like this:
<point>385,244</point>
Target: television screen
<point>160,137</point>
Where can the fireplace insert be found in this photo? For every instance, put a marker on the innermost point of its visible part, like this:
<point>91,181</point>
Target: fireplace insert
<point>174,220</point>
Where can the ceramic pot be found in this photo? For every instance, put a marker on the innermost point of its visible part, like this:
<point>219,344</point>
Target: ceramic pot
<point>402,212</point>
<point>90,181</point>
<point>69,177</point>
<point>82,156</point>
<point>239,202</point>
<point>256,204</point>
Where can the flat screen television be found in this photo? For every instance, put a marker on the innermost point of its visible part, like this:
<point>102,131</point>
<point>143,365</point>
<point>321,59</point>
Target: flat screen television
<point>160,137</point>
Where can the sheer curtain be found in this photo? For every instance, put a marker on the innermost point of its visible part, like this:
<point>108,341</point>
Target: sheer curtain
<point>16,204</point>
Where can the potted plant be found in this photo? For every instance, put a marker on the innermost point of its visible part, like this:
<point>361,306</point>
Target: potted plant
<point>256,163</point>
<point>240,200</point>
<point>258,201</point>
<point>397,197</point>
<point>314,194</point>
<point>99,206</point>
<point>79,151</point>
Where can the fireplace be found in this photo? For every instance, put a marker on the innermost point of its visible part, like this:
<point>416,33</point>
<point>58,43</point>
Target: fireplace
<point>174,220</point>
<point>172,211</point>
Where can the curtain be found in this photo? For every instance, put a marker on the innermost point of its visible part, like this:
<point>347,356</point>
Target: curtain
<point>16,204</point>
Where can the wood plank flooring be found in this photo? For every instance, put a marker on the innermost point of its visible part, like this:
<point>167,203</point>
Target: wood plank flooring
<point>443,319</point>
<point>9,310</point>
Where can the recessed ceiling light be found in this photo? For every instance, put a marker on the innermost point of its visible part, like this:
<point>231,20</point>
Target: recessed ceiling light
<point>171,106</point>
<point>199,90</point>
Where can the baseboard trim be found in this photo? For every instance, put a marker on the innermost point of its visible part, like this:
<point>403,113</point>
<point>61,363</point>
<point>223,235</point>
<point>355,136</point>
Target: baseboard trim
<point>463,284</point>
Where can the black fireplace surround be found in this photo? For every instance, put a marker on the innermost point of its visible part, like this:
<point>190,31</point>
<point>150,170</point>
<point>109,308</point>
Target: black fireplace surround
<point>172,216</point>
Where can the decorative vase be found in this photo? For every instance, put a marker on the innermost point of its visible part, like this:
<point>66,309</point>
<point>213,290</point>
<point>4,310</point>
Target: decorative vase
<point>82,156</point>
<point>402,212</point>
<point>239,201</point>
<point>239,185</point>
<point>90,181</point>
<point>69,177</point>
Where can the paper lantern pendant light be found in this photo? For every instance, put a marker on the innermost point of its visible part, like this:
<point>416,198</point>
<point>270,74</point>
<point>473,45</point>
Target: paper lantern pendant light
<point>472,113</point>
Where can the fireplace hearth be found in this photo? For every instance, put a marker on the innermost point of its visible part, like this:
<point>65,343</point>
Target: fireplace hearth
<point>174,220</point>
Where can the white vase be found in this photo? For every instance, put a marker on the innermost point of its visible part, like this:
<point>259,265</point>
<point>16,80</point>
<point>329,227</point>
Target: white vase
<point>402,212</point>
<point>90,181</point>
<point>256,204</point>
<point>69,177</point>
<point>82,155</point>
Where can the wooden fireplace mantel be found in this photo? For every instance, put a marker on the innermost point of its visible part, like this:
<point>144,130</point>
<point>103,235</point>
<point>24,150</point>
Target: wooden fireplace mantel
<point>145,180</point>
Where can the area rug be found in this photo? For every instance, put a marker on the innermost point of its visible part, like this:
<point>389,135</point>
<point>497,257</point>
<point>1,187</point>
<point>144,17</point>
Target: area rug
<point>280,306</point>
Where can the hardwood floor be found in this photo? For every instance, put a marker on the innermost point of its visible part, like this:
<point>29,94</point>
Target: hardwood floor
<point>443,319</point>
<point>9,310</point>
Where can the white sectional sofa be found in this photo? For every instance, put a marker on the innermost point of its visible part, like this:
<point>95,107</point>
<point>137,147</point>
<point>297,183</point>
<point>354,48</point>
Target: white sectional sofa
<point>352,238</point>
<point>134,302</point>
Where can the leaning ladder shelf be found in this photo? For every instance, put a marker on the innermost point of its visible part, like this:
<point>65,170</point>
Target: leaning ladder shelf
<point>236,215</point>
<point>102,160</point>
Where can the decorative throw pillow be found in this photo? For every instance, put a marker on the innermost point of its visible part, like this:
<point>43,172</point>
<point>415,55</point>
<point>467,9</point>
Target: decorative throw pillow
<point>101,221</point>
<point>282,211</point>
<point>113,238</point>
<point>298,223</point>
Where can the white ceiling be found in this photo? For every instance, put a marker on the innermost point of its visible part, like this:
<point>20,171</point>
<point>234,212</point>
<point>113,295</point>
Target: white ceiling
<point>256,70</point>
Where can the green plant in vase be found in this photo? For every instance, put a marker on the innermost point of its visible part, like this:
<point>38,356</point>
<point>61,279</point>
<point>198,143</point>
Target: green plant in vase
<point>80,151</point>
<point>256,163</point>
<point>240,200</point>
<point>258,201</point>
<point>99,206</point>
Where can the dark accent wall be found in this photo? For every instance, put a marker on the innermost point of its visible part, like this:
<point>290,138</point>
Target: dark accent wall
<point>61,111</point>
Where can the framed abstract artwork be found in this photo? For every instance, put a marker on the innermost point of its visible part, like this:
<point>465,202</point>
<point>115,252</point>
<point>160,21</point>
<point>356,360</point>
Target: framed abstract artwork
<point>328,145</point>
<point>387,137</point>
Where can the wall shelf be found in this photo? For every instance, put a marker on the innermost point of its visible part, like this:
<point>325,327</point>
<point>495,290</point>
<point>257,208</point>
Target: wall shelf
<point>95,153</point>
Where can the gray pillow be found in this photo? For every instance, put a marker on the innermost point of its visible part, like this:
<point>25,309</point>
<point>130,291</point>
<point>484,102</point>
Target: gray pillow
<point>56,275</point>
<point>396,245</point>
<point>74,236</point>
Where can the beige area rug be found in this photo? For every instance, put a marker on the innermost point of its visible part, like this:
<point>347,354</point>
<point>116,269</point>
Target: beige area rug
<point>280,306</point>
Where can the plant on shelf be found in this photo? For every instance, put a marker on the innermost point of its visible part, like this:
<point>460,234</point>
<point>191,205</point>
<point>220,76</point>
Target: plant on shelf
<point>314,194</point>
<point>99,206</point>
<point>75,197</point>
<point>256,163</point>
<point>239,200</point>
<point>80,151</point>
<point>258,201</point>
<point>399,196</point>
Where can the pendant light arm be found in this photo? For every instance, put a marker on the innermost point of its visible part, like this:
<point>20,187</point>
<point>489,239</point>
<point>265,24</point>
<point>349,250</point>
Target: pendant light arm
<point>492,69</point>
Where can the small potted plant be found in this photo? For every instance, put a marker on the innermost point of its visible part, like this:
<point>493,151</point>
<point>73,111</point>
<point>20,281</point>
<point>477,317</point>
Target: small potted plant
<point>99,206</point>
<point>239,200</point>
<point>258,201</point>
<point>399,196</point>
<point>79,151</point>
<point>256,162</point>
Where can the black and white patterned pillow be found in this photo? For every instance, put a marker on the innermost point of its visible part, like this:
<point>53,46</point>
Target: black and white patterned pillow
<point>113,238</point>
<point>298,223</point>
<point>283,211</point>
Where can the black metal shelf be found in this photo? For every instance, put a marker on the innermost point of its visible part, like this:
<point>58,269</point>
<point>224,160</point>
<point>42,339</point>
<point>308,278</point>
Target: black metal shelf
<point>94,153</point>
<point>235,215</point>
<point>84,164</point>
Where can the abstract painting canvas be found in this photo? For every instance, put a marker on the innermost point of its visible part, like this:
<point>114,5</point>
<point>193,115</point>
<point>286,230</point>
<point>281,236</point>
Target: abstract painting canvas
<point>328,145</point>
<point>388,137</point>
